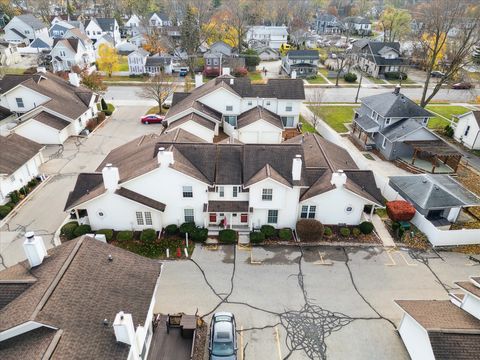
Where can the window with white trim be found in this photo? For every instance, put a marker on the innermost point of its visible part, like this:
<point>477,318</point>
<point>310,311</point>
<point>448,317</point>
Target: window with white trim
<point>289,107</point>
<point>139,216</point>
<point>272,217</point>
<point>229,107</point>
<point>384,143</point>
<point>148,218</point>
<point>249,103</point>
<point>425,121</point>
<point>288,121</point>
<point>235,191</point>
<point>267,194</point>
<point>143,218</point>
<point>19,102</point>
<point>187,191</point>
<point>189,215</point>
<point>221,191</point>
<point>308,212</point>
<point>388,121</point>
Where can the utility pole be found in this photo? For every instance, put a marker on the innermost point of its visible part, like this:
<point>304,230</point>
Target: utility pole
<point>359,86</point>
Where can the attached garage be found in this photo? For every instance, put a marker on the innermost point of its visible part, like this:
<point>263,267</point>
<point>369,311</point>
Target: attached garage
<point>259,126</point>
<point>45,128</point>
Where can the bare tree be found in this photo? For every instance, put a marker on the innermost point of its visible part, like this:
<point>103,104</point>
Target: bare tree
<point>158,88</point>
<point>316,98</point>
<point>449,33</point>
<point>339,60</point>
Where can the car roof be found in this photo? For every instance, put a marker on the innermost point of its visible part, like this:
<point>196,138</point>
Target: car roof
<point>223,331</point>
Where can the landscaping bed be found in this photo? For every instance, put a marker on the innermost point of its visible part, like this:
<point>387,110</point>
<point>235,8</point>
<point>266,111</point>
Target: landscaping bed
<point>353,236</point>
<point>418,241</point>
<point>200,345</point>
<point>17,196</point>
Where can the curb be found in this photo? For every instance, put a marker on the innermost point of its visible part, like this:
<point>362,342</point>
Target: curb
<point>24,200</point>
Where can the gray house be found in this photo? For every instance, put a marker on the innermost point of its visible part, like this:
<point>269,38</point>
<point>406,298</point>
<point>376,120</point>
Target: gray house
<point>304,62</point>
<point>438,197</point>
<point>378,58</point>
<point>397,127</point>
<point>328,24</point>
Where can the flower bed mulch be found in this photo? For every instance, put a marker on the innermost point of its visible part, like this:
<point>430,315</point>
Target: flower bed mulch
<point>200,346</point>
<point>419,240</point>
<point>361,239</point>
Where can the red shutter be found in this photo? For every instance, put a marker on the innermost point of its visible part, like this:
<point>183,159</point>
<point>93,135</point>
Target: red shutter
<point>213,218</point>
<point>244,218</point>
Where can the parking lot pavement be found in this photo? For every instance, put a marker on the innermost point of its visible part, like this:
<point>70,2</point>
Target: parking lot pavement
<point>310,302</point>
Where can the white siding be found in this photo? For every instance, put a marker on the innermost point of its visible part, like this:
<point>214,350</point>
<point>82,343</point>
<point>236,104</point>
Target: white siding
<point>42,133</point>
<point>472,139</point>
<point>196,129</point>
<point>220,99</point>
<point>31,99</point>
<point>415,339</point>
<point>471,304</point>
<point>260,132</point>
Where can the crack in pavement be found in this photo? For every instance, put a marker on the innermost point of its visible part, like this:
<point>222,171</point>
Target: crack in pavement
<point>422,258</point>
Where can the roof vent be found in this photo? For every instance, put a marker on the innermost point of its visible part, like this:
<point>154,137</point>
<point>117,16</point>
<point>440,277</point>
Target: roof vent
<point>110,257</point>
<point>397,89</point>
<point>105,322</point>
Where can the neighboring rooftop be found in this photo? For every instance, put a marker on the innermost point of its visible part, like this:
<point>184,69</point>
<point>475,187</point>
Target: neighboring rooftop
<point>31,20</point>
<point>16,151</point>
<point>392,104</point>
<point>303,54</point>
<point>65,294</point>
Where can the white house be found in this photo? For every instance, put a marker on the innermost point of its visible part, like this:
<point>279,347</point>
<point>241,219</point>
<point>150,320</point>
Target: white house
<point>357,25</point>
<point>20,162</point>
<point>24,29</point>
<point>244,186</point>
<point>159,20</point>
<point>132,23</point>
<point>59,28</point>
<point>223,102</point>
<point>443,329</point>
<point>49,108</point>
<point>467,129</point>
<point>157,63</point>
<point>67,52</point>
<point>137,60</point>
<point>117,311</point>
<point>269,36</point>
<point>9,54</point>
<point>96,28</point>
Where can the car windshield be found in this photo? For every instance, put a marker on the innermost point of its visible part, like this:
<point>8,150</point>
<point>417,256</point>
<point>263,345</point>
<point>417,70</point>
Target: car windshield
<point>222,348</point>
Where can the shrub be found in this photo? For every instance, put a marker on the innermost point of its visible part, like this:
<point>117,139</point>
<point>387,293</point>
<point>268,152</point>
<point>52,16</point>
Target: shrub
<point>171,229</point>
<point>4,211</point>
<point>200,234</point>
<point>356,232</point>
<point>125,235</point>
<point>240,72</point>
<point>32,183</point>
<point>109,110</point>
<point>285,234</point>
<point>328,231</point>
<point>366,227</point>
<point>82,230</point>
<point>107,232</point>
<point>68,229</point>
<point>449,131</point>
<point>268,231</point>
<point>257,237</point>
<point>395,75</point>
<point>311,77</point>
<point>350,77</point>
<point>252,59</point>
<point>400,210</point>
<point>309,230</point>
<point>344,231</point>
<point>103,104</point>
<point>148,235</point>
<point>227,236</point>
<point>187,228</point>
<point>14,197</point>
<point>23,191</point>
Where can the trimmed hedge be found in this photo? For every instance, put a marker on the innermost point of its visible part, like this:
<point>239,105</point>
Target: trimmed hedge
<point>68,229</point>
<point>400,210</point>
<point>200,234</point>
<point>356,232</point>
<point>227,236</point>
<point>107,232</point>
<point>328,231</point>
<point>309,230</point>
<point>14,197</point>
<point>366,227</point>
<point>285,234</point>
<point>171,229</point>
<point>4,211</point>
<point>126,235</point>
<point>187,228</point>
<point>268,231</point>
<point>148,235</point>
<point>82,230</point>
<point>350,77</point>
<point>395,75</point>
<point>345,231</point>
<point>110,109</point>
<point>257,237</point>
<point>449,131</point>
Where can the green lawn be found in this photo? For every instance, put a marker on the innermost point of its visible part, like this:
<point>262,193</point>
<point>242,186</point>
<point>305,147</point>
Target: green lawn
<point>406,81</point>
<point>445,110</point>
<point>375,80</point>
<point>255,76</point>
<point>306,126</point>
<point>16,71</point>
<point>318,80</point>
<point>124,78</point>
<point>335,116</point>
<point>123,63</point>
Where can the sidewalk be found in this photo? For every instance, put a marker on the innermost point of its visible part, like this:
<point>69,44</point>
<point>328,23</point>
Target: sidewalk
<point>382,231</point>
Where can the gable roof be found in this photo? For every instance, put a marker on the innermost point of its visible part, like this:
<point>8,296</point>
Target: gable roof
<point>106,24</point>
<point>401,128</point>
<point>433,191</point>
<point>258,113</point>
<point>16,151</point>
<point>32,21</point>
<point>39,43</point>
<point>195,118</point>
<point>70,43</point>
<point>51,120</point>
<point>303,54</point>
<point>391,104</point>
<point>61,296</point>
<point>158,60</point>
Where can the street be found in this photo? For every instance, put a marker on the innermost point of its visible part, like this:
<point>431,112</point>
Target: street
<point>310,302</point>
<point>129,94</point>
<point>43,210</point>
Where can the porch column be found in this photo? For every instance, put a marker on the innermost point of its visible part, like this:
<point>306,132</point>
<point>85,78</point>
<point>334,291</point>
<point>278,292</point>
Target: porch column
<point>372,211</point>
<point>231,217</point>
<point>366,138</point>
<point>354,128</point>
<point>76,214</point>
<point>414,156</point>
<point>434,163</point>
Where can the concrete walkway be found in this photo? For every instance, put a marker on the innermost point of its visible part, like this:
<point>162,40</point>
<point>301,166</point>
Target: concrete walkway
<point>382,231</point>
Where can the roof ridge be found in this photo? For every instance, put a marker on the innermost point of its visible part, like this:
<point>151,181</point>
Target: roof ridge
<point>324,154</point>
<point>56,280</point>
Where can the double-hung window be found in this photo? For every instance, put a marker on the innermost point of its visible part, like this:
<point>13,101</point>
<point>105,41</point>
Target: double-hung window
<point>221,191</point>
<point>272,216</point>
<point>19,102</point>
<point>388,121</point>
<point>187,191</point>
<point>267,194</point>
<point>189,215</point>
<point>235,191</point>
<point>229,107</point>
<point>288,121</point>
<point>288,107</point>
<point>308,212</point>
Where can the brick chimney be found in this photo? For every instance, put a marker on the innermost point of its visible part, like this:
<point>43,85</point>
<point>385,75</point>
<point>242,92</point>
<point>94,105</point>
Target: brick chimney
<point>34,249</point>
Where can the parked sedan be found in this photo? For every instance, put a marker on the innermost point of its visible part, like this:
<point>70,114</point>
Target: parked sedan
<point>222,344</point>
<point>462,86</point>
<point>152,119</point>
<point>437,74</point>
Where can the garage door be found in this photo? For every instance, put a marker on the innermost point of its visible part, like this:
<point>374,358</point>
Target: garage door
<point>269,137</point>
<point>249,137</point>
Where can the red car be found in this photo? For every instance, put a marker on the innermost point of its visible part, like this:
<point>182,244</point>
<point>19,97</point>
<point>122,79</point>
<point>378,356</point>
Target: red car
<point>152,119</point>
<point>462,86</point>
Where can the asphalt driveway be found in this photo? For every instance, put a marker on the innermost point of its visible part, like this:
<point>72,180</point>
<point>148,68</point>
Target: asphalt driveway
<point>310,303</point>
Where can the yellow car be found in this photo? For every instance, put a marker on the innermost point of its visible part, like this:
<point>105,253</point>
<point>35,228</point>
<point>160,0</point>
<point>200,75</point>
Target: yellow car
<point>284,48</point>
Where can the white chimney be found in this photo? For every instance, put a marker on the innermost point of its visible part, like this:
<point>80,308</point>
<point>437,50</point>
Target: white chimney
<point>123,327</point>
<point>339,179</point>
<point>42,69</point>
<point>34,249</point>
<point>198,80</point>
<point>297,168</point>
<point>232,81</point>
<point>74,79</point>
<point>111,177</point>
<point>165,158</point>
<point>293,75</point>
<point>226,71</point>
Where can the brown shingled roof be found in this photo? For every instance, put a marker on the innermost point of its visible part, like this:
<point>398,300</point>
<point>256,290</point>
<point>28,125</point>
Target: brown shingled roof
<point>51,120</point>
<point>469,287</point>
<point>449,346</point>
<point>77,288</point>
<point>141,199</point>
<point>228,206</point>
<point>258,113</point>
<point>195,118</point>
<point>15,151</point>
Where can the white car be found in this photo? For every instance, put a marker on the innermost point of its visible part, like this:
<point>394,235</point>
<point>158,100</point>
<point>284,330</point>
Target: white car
<point>168,102</point>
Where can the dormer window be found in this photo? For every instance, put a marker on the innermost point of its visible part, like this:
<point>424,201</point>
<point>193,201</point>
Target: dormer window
<point>425,121</point>
<point>19,102</point>
<point>388,121</point>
